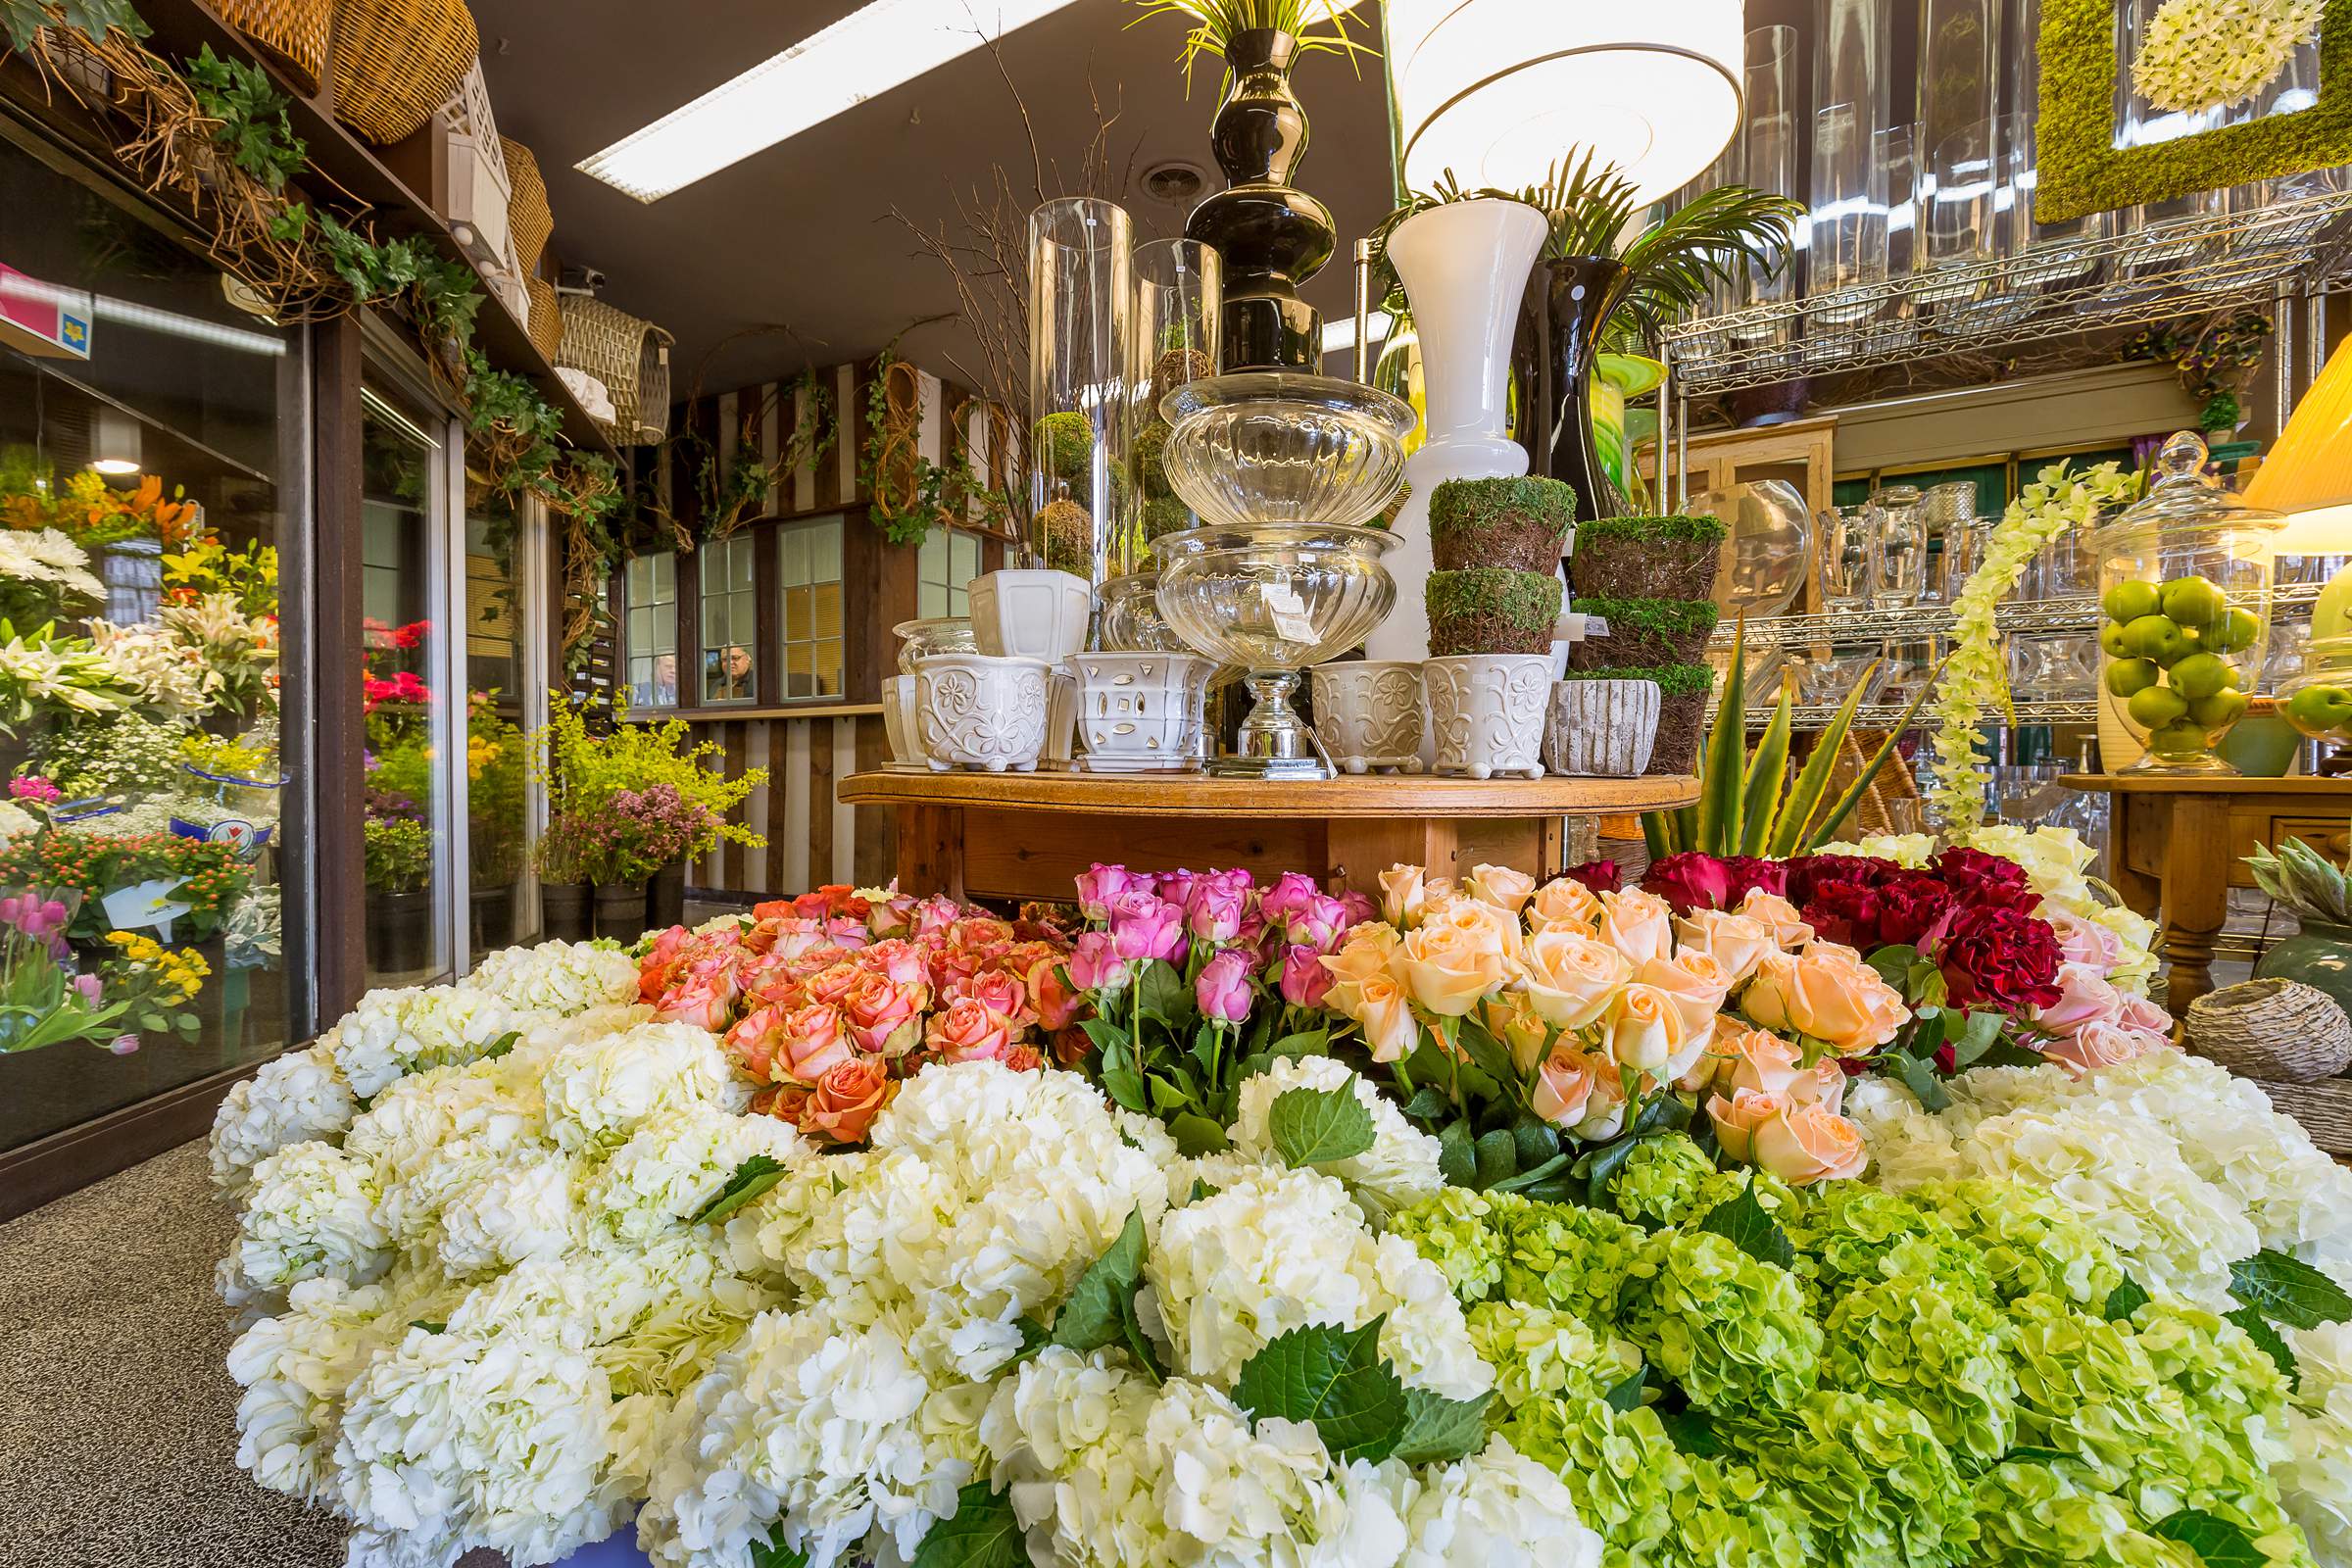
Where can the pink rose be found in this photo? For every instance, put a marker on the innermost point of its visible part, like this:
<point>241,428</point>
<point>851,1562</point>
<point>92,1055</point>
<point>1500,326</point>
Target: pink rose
<point>1638,924</point>
<point>1054,994</point>
<point>1579,1093</point>
<point>1304,982</point>
<point>833,984</point>
<point>1292,891</point>
<point>1358,909</point>
<point>2087,942</point>
<point>790,936</point>
<point>2100,1044</point>
<point>1223,988</point>
<point>845,931</point>
<point>1093,966</point>
<point>2146,1016</point>
<point>798,1047</point>
<point>896,959</point>
<point>1216,909</point>
<point>885,1017</point>
<point>846,1101</point>
<point>1142,927</point>
<point>1737,942</point>
<point>1319,922</point>
<point>1098,885</point>
<point>2083,998</point>
<point>1172,887</point>
<point>1002,994</point>
<point>936,913</point>
<point>967,1030</point>
<point>704,999</point>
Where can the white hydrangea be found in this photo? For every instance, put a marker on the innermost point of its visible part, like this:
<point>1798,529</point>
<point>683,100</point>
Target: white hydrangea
<point>806,1430</point>
<point>1912,850</point>
<point>1497,1509</point>
<point>1065,1431</point>
<point>297,1097</point>
<point>1281,1250</point>
<point>1399,1168</point>
<point>393,1033</point>
<point>677,1161</point>
<point>2315,1483</point>
<point>309,1215</point>
<point>293,1368</point>
<point>564,978</point>
<point>599,1090</point>
<point>1234,1497</point>
<point>521,1209</point>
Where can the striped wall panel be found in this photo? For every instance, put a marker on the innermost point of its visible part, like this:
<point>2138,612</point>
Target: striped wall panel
<point>812,837</point>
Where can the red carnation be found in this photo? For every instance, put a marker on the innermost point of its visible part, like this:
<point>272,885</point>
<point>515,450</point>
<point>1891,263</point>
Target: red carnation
<point>1847,913</point>
<point>1753,873</point>
<point>1815,871</point>
<point>2000,957</point>
<point>1909,908</point>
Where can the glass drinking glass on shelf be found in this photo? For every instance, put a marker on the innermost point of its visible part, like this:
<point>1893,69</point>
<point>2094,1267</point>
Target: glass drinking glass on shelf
<point>1910,667</point>
<point>2052,667</point>
<point>1963,174</point>
<point>1179,295</point>
<point>1824,681</point>
<point>1847,248</point>
<point>2064,569</point>
<point>1844,556</point>
<point>1899,550</point>
<point>1950,511</point>
<point>1768,162</point>
<point>1894,165</point>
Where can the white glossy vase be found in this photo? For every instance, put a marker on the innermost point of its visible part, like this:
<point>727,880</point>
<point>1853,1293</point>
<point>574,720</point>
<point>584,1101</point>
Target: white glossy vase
<point>1465,267</point>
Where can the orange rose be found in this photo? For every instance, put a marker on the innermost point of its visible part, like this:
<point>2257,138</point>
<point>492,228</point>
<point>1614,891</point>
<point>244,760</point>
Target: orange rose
<point>1370,949</point>
<point>1645,1030</point>
<point>1696,982</point>
<point>1777,915</point>
<point>1571,978</point>
<point>1640,925</point>
<point>846,1101</point>
<point>1564,900</point>
<point>1385,1015</point>
<point>1402,892</point>
<point>1448,969</point>
<point>1827,994</point>
<point>1737,942</point>
<point>1580,1093</point>
<point>1505,889</point>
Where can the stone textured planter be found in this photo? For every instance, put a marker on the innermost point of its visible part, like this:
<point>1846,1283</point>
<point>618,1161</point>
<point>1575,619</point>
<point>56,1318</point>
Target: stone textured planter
<point>981,714</point>
<point>1141,713</point>
<point>1487,713</point>
<point>1029,613</point>
<point>1368,714</point>
<point>1601,728</point>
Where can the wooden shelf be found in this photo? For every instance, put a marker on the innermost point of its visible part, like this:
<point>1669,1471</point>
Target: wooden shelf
<point>185,27</point>
<point>1345,798</point>
<point>2154,783</point>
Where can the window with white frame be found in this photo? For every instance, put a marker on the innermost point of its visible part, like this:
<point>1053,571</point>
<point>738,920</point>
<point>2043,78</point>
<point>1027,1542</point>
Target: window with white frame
<point>730,620</point>
<point>945,567</point>
<point>650,639</point>
<point>809,568</point>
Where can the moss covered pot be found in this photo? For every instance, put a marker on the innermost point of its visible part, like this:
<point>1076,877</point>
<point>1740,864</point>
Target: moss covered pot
<point>1491,611</point>
<point>1681,711</point>
<point>1644,633</point>
<point>1647,557</point>
<point>1512,525</point>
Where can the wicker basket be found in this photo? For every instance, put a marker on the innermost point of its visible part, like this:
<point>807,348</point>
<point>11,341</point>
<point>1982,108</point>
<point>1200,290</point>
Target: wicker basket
<point>546,325</point>
<point>528,220</point>
<point>2280,1030</point>
<point>291,32</point>
<point>394,62</point>
<point>630,356</point>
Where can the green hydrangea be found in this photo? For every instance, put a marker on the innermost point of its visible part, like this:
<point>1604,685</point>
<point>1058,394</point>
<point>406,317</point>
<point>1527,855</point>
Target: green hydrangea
<point>1540,1352</point>
<point>1846,1232</point>
<point>2029,1245</point>
<point>1881,1492</point>
<point>2190,1464</point>
<point>1668,1181</point>
<point>1457,1230</point>
<point>1730,1517</point>
<point>1918,1340</point>
<point>2085,1387</point>
<point>2033,1515</point>
<point>1561,1254</point>
<point>2226,1378</point>
<point>1735,1331</point>
<point>1620,1466</point>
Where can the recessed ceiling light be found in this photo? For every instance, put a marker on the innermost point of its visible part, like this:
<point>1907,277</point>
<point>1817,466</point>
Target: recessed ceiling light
<point>1174,182</point>
<point>863,55</point>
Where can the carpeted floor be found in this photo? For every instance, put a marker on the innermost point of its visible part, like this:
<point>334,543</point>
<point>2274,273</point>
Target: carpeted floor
<point>118,1439</point>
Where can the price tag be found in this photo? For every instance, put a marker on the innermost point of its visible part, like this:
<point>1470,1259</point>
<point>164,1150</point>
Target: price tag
<point>1291,622</point>
<point>1574,626</point>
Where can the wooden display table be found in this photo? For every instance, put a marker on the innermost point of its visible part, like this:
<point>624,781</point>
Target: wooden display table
<point>1028,835</point>
<point>2179,845</point>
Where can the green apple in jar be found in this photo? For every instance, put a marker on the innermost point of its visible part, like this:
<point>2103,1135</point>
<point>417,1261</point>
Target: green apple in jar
<point>2195,601</point>
<point>2127,602</point>
<point>2156,706</point>
<point>2321,711</point>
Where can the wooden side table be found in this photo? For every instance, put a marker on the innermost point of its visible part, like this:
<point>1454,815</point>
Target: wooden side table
<point>1028,835</point>
<point>2179,843</point>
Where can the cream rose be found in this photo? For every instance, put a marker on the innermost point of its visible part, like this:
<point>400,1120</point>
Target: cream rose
<point>1825,993</point>
<point>1564,900</point>
<point>1800,1143</point>
<point>1370,949</point>
<point>1737,942</point>
<point>1403,889</point>
<point>1757,1059</point>
<point>1491,928</point>
<point>1448,969</point>
<point>1777,915</point>
<point>1696,982</point>
<point>1571,977</point>
<point>1580,1093</point>
<point>1385,1015</point>
<point>1499,885</point>
<point>1511,1017</point>
<point>1640,925</point>
<point>1645,1031</point>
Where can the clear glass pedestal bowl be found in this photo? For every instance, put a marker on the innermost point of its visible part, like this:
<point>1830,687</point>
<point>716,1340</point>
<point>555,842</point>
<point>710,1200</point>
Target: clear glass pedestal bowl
<point>1285,470</point>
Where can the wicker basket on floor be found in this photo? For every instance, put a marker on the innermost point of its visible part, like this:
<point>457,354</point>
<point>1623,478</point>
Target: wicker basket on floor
<point>2280,1030</point>
<point>630,356</point>
<point>394,62</point>
<point>291,32</point>
<point>530,222</point>
<point>546,325</point>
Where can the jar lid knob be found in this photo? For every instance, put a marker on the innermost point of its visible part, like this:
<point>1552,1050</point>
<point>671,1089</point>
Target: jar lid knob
<point>2181,459</point>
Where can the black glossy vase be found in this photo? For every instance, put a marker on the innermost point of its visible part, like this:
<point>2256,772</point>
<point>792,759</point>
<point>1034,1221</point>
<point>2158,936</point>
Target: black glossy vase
<point>1551,372</point>
<point>1272,238</point>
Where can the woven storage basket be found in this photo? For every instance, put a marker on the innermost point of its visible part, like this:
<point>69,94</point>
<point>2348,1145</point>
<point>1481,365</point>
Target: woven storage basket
<point>2276,1029</point>
<point>546,325</point>
<point>395,62</point>
<point>528,221</point>
<point>291,32</point>
<point>630,356</point>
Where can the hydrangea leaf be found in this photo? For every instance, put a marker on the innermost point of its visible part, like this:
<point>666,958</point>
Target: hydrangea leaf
<point>770,1553</point>
<point>2217,1542</point>
<point>2286,1290</point>
<point>1693,1430</point>
<point>1919,1078</point>
<point>1455,1161</point>
<point>1437,1430</point>
<point>2124,1300</point>
<point>502,1045</point>
<point>2030,1455</point>
<point>1627,1395</point>
<point>1749,1226</point>
<point>1312,1126</point>
<point>1197,1135</point>
<point>429,1325</point>
<point>1335,1377</point>
<point>2259,1330</point>
<point>982,1532</point>
<point>1498,1154</point>
<point>1090,1318</point>
<point>1428,1103</point>
<point>1306,1042</point>
<point>1160,992</point>
<point>752,1177</point>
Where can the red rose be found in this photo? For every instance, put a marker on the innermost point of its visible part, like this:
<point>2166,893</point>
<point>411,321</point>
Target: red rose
<point>1980,879</point>
<point>1601,876</point>
<point>1817,871</point>
<point>1690,881</point>
<point>1749,872</point>
<point>1909,908</point>
<point>1999,957</point>
<point>1847,912</point>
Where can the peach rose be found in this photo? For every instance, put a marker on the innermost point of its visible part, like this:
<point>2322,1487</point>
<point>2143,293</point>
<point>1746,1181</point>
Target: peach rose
<point>1738,943</point>
<point>1448,968</point>
<point>1056,1000</point>
<point>1645,1031</point>
<point>1828,994</point>
<point>970,1030</point>
<point>1403,890</point>
<point>1564,900</point>
<point>846,1101</point>
<point>1698,984</point>
<point>1370,949</point>
<point>1505,889</point>
<point>1810,1143</point>
<point>1737,1116</point>
<point>1823,1084</point>
<point>886,1017</point>
<point>833,983</point>
<point>1510,1018</point>
<point>1580,1093</point>
<point>1640,925</point>
<point>1755,1059</point>
<point>1385,1015</point>
<point>1571,977</point>
<point>1777,915</point>
<point>2100,1044</point>
<point>799,1046</point>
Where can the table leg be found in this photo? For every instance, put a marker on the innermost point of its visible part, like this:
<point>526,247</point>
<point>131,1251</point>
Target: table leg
<point>2195,889</point>
<point>931,849</point>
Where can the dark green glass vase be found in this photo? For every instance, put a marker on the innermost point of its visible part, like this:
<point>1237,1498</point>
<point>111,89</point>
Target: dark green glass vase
<point>2319,956</point>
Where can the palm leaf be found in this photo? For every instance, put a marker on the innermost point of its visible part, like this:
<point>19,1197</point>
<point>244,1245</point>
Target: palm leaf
<point>1767,772</point>
<point>1796,813</point>
<point>1671,266</point>
<point>1216,21</point>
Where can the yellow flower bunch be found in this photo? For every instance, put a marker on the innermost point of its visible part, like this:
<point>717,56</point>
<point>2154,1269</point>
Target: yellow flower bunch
<point>137,949</point>
<point>181,970</point>
<point>480,752</point>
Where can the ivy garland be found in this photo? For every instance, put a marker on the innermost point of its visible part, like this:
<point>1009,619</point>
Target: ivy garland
<point>910,492</point>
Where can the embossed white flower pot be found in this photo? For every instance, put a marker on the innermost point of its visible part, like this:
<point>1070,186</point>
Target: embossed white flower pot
<point>1487,713</point>
<point>981,714</point>
<point>1368,714</point>
<point>1601,728</point>
<point>1141,713</point>
<point>1062,717</point>
<point>1025,613</point>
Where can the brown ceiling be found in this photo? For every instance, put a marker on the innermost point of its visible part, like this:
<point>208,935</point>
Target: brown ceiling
<point>802,235</point>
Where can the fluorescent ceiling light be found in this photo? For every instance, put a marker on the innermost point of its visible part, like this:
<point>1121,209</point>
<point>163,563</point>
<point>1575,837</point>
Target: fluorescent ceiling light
<point>865,54</point>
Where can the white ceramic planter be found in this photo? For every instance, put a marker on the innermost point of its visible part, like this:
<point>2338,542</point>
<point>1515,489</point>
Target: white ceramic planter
<point>982,713</point>
<point>1141,713</point>
<point>1601,728</point>
<point>1030,613</point>
<point>1487,713</point>
<point>898,722</point>
<point>1368,714</point>
<point>1465,267</point>
<point>1062,717</point>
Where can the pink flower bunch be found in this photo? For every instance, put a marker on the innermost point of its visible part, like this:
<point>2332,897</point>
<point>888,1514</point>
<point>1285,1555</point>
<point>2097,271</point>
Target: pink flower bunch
<point>34,788</point>
<point>1235,940</point>
<point>40,920</point>
<point>2093,1023</point>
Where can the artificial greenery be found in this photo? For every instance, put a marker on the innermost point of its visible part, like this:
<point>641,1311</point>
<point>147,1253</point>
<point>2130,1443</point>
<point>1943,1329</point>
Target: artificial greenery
<point>2083,171</point>
<point>1527,600</point>
<point>2214,358</point>
<point>908,491</point>
<point>93,19</point>
<point>1473,505</point>
<point>252,124</point>
<point>1655,617</point>
<point>1066,444</point>
<point>1698,530</point>
<point>1674,680</point>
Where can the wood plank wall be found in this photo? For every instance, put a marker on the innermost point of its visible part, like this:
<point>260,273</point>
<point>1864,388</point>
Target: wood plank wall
<point>812,838</point>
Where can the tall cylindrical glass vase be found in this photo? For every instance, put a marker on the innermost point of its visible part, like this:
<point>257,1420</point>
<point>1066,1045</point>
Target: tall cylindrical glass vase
<point>1081,365</point>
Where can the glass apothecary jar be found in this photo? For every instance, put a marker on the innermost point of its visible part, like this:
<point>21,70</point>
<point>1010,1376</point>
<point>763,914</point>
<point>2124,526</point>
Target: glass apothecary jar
<point>2318,703</point>
<point>2184,604</point>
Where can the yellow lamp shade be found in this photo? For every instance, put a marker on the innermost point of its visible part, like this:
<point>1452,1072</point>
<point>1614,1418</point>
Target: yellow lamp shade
<point>2308,471</point>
